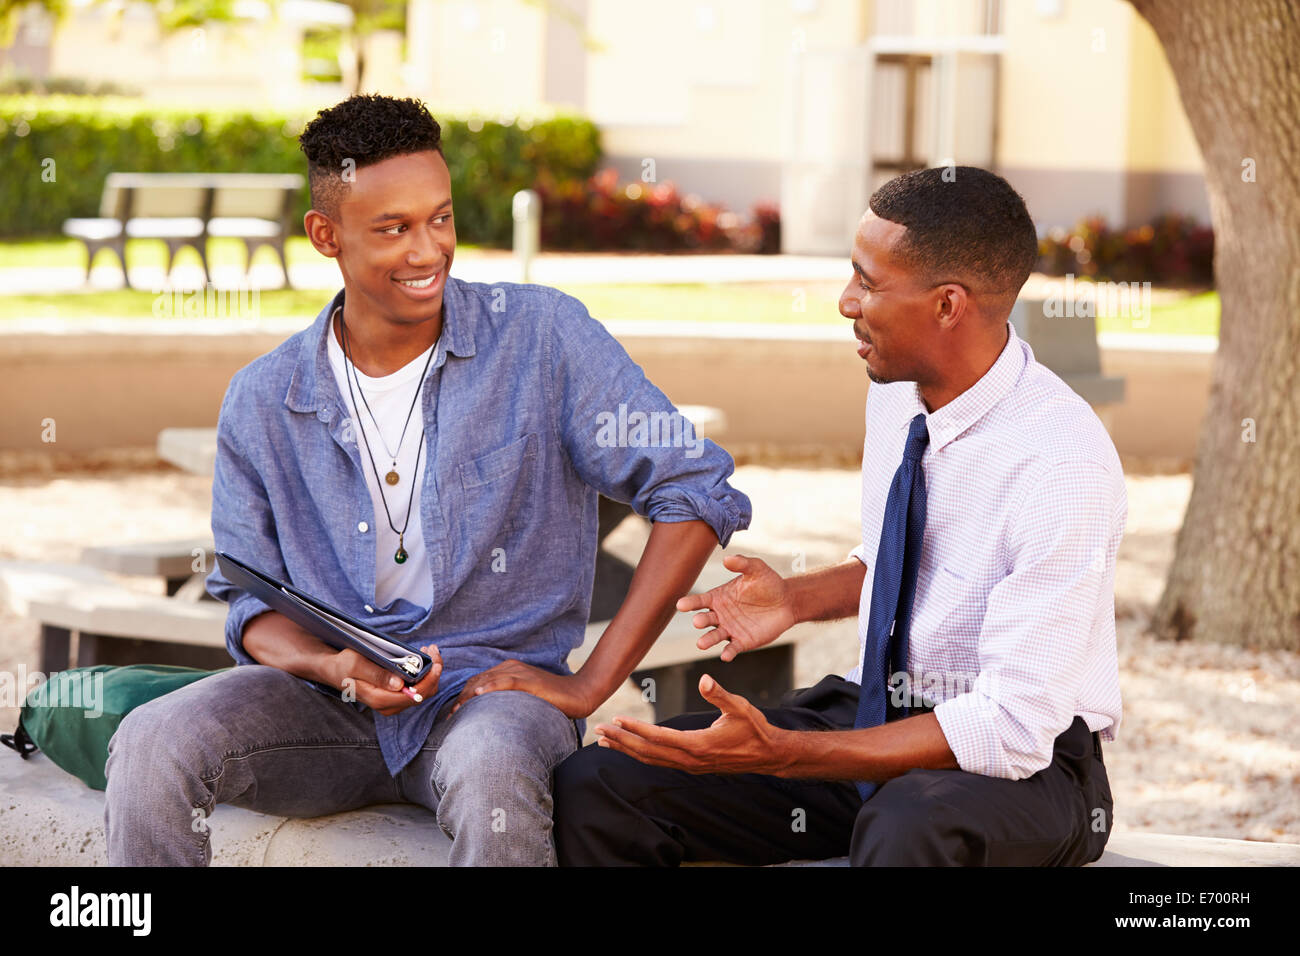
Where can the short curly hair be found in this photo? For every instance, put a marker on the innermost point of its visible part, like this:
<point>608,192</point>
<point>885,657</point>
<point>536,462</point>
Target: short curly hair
<point>963,223</point>
<point>362,130</point>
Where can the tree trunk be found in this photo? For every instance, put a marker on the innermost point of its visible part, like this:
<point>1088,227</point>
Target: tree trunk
<point>1236,572</point>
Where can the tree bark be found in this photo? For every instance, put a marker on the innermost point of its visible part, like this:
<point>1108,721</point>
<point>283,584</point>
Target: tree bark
<point>1236,572</point>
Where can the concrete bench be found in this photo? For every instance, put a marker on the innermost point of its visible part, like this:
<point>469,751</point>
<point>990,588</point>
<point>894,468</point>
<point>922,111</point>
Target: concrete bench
<point>49,818</point>
<point>111,624</point>
<point>173,561</point>
<point>189,449</point>
<point>185,209</point>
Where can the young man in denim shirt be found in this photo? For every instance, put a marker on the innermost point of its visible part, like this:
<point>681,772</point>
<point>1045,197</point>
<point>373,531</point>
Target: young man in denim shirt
<point>478,544</point>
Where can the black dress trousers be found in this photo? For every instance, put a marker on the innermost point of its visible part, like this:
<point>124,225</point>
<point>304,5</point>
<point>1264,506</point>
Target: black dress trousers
<point>611,809</point>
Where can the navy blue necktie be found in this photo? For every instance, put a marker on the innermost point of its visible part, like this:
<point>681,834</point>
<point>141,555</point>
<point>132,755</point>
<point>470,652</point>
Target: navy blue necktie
<point>893,585</point>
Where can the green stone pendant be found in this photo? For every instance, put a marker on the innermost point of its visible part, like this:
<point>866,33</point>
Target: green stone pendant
<point>400,556</point>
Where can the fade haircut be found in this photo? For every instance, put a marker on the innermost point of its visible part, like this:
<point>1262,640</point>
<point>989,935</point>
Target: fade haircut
<point>971,227</point>
<point>365,129</point>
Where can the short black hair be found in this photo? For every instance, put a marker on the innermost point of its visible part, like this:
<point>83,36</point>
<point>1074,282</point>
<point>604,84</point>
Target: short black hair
<point>964,224</point>
<point>366,129</point>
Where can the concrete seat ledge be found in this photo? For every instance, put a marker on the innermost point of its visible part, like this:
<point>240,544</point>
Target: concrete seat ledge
<point>50,818</point>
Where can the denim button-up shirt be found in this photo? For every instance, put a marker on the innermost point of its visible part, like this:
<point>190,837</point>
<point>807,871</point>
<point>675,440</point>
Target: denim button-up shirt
<point>530,408</point>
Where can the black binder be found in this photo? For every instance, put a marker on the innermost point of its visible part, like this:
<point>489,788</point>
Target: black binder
<point>331,625</point>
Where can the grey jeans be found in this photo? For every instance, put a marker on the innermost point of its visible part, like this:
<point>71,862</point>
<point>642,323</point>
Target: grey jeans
<point>257,737</point>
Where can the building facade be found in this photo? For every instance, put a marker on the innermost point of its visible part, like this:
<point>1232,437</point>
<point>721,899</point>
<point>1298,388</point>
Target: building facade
<point>812,103</point>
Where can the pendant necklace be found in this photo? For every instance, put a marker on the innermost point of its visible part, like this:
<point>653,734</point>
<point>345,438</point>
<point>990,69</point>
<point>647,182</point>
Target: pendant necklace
<point>392,477</point>
<point>401,555</point>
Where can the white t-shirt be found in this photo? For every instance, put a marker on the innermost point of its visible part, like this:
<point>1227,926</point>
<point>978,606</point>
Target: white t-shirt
<point>389,398</point>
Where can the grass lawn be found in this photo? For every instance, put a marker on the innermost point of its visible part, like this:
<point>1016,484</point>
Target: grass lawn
<point>56,251</point>
<point>1193,315</point>
<point>723,302</point>
<point>137,304</point>
<point>812,302</point>
<point>62,251</point>
<point>818,303</point>
<point>699,303</point>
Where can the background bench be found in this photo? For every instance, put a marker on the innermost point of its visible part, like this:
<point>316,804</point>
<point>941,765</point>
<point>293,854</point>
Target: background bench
<point>185,209</point>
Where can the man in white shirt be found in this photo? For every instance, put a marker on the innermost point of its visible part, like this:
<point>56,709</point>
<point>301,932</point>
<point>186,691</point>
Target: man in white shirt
<point>990,749</point>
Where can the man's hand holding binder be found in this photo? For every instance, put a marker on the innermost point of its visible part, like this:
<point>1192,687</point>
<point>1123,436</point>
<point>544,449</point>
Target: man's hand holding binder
<point>274,640</point>
<point>379,689</point>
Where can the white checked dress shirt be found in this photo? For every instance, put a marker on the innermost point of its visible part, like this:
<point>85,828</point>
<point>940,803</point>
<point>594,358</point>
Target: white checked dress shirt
<point>1013,625</point>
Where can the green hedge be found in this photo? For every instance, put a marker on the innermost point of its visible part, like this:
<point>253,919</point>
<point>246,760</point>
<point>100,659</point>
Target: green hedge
<point>90,137</point>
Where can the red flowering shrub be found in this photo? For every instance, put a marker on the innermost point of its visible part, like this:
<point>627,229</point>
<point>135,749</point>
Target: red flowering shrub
<point>603,214</point>
<point>1171,250</point>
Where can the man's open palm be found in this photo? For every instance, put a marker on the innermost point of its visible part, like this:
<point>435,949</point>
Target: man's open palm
<point>749,611</point>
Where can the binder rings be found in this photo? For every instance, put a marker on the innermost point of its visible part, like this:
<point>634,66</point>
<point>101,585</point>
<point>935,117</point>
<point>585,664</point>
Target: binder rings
<point>331,625</point>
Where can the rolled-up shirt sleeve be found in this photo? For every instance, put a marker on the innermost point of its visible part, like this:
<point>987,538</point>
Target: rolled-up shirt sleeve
<point>242,524</point>
<point>626,439</point>
<point>1039,622</point>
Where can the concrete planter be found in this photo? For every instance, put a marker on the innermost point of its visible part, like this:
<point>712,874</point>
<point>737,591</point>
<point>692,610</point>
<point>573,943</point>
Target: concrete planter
<point>1067,344</point>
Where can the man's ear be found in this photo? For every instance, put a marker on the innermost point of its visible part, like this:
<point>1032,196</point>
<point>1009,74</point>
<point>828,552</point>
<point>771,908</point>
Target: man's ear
<point>320,230</point>
<point>952,305</point>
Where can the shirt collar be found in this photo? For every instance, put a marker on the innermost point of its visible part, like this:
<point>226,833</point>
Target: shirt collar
<point>311,383</point>
<point>949,422</point>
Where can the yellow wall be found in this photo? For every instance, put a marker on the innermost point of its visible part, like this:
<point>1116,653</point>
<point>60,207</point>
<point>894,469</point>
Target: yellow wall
<point>240,62</point>
<point>1159,138</point>
<point>483,57</point>
<point>706,88</point>
<point>1090,89</point>
<point>1064,105</point>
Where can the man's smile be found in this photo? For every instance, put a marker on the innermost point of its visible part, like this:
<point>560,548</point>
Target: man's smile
<point>422,287</point>
<point>864,342</point>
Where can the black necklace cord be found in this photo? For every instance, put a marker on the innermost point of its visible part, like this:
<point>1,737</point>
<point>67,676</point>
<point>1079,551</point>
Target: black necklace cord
<point>343,326</point>
<point>382,497</point>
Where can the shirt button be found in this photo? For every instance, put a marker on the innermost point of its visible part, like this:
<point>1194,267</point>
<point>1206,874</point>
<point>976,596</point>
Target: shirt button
<point>325,414</point>
<point>370,609</point>
<point>363,527</point>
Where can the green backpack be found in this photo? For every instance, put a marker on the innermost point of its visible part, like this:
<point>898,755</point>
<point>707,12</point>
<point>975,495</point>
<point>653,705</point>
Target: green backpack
<point>73,715</point>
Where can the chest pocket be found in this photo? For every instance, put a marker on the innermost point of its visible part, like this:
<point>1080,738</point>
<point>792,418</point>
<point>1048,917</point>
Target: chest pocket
<point>942,599</point>
<point>499,487</point>
<point>953,614</point>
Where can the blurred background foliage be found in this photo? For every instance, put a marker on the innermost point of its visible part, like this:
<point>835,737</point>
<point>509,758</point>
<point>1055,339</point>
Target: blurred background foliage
<point>1171,250</point>
<point>89,137</point>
